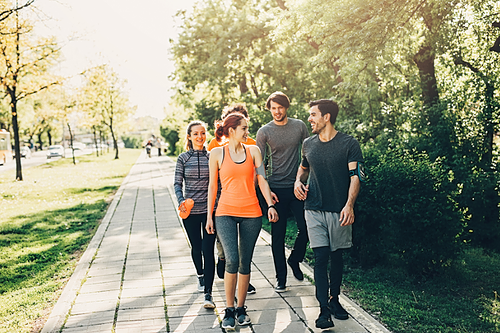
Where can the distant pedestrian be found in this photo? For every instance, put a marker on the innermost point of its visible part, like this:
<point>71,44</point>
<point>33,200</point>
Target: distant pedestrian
<point>191,182</point>
<point>332,161</point>
<point>149,145</point>
<point>238,217</point>
<point>240,108</point>
<point>280,141</point>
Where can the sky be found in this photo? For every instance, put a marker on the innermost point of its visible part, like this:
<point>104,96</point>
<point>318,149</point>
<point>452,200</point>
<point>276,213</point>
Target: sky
<point>130,36</point>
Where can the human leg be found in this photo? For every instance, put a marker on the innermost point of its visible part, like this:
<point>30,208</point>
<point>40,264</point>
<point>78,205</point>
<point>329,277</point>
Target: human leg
<point>249,229</point>
<point>192,225</point>
<point>336,272</point>
<point>278,232</point>
<point>321,258</point>
<point>227,231</point>
<point>208,258</point>
<point>300,246</point>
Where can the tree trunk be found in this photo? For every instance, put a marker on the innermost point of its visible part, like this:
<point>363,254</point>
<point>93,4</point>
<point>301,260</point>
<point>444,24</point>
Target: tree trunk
<point>95,141</point>
<point>49,136</point>
<point>115,143</point>
<point>71,144</point>
<point>15,126</point>
<point>428,83</point>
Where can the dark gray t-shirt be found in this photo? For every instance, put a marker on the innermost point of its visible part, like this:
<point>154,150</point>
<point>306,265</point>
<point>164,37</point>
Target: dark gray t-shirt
<point>281,145</point>
<point>329,171</point>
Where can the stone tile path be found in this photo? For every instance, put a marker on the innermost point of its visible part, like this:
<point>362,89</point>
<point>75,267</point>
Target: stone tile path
<point>137,274</point>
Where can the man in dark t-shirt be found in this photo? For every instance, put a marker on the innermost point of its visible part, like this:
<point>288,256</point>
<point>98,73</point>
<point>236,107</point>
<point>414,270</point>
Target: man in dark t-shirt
<point>330,159</point>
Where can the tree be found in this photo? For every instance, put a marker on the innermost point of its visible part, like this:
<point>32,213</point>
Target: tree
<point>105,100</point>
<point>24,68</point>
<point>226,51</point>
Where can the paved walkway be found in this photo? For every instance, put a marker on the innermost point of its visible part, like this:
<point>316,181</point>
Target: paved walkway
<point>137,274</point>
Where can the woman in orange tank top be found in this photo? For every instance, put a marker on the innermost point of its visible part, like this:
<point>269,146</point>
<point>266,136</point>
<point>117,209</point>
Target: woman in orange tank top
<point>238,216</point>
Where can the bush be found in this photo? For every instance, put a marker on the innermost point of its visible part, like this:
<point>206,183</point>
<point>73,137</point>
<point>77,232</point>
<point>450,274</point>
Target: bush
<point>405,214</point>
<point>132,141</point>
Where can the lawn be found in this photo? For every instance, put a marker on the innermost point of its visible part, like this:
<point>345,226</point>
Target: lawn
<point>464,300</point>
<point>47,221</point>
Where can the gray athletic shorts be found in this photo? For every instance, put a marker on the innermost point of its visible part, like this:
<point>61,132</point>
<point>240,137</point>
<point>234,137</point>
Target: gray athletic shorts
<point>324,230</point>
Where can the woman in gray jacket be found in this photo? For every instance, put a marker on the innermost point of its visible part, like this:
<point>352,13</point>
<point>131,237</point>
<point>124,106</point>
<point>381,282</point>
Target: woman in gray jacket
<point>191,182</point>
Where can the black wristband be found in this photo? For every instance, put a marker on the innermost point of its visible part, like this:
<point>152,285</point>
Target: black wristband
<point>271,206</point>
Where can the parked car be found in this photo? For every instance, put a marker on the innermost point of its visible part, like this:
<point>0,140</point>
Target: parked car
<point>78,145</point>
<point>25,152</point>
<point>55,151</point>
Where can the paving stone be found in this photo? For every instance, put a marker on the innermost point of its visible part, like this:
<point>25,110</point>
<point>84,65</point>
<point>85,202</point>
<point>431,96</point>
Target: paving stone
<point>146,229</point>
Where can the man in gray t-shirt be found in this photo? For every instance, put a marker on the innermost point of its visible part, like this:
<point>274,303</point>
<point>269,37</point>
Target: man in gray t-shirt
<point>330,159</point>
<point>280,142</point>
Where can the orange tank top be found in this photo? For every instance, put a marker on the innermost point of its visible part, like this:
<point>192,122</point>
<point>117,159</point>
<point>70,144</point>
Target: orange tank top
<point>238,196</point>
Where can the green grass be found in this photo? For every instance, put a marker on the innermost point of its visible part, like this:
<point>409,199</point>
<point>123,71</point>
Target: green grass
<point>463,300</point>
<point>47,222</point>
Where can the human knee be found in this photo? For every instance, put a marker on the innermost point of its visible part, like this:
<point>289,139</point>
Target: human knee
<point>321,255</point>
<point>232,266</point>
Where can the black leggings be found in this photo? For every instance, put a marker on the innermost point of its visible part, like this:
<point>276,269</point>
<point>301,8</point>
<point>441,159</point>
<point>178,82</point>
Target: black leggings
<point>324,284</point>
<point>202,247</point>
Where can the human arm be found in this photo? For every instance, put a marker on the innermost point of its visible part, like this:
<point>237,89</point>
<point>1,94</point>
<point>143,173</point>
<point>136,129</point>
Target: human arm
<point>347,213</point>
<point>272,213</point>
<point>178,180</point>
<point>300,188</point>
<point>261,142</point>
<point>213,165</point>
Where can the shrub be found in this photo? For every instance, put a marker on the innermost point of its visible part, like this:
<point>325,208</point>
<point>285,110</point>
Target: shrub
<point>405,214</point>
<point>131,141</point>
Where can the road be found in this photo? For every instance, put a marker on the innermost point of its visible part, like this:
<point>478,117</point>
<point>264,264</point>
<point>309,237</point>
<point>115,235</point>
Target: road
<point>40,157</point>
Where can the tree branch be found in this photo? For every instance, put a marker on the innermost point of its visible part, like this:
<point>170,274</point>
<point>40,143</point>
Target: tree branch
<point>6,13</point>
<point>281,4</point>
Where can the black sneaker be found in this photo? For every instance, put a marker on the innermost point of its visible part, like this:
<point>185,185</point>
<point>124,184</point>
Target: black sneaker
<point>242,317</point>
<point>208,303</point>
<point>294,265</point>
<point>324,320</point>
<point>229,321</point>
<point>251,289</point>
<point>280,287</point>
<point>337,310</point>
<point>221,268</point>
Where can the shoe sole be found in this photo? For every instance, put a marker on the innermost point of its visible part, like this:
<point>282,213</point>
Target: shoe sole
<point>229,328</point>
<point>280,290</point>
<point>245,323</point>
<point>341,317</point>
<point>325,326</point>
<point>251,292</point>
<point>209,306</point>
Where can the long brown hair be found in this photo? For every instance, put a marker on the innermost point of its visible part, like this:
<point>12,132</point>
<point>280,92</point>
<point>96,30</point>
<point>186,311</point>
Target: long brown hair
<point>232,120</point>
<point>189,144</point>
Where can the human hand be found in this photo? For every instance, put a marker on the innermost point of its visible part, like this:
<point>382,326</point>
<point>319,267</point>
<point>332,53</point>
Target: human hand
<point>300,190</point>
<point>346,216</point>
<point>272,214</point>
<point>210,226</point>
<point>274,197</point>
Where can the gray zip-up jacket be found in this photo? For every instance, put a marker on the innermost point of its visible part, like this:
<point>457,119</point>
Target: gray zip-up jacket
<point>191,172</point>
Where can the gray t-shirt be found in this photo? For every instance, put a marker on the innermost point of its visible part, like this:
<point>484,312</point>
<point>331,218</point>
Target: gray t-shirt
<point>329,171</point>
<point>280,147</point>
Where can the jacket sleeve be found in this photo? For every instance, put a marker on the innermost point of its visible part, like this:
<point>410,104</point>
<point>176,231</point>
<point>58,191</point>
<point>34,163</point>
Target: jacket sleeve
<point>179,179</point>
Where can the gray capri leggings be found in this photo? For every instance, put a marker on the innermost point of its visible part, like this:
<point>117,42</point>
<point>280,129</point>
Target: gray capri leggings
<point>238,236</point>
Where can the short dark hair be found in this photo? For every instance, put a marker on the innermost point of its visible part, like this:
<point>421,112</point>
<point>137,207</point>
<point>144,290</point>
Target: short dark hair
<point>237,107</point>
<point>278,97</point>
<point>326,106</point>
